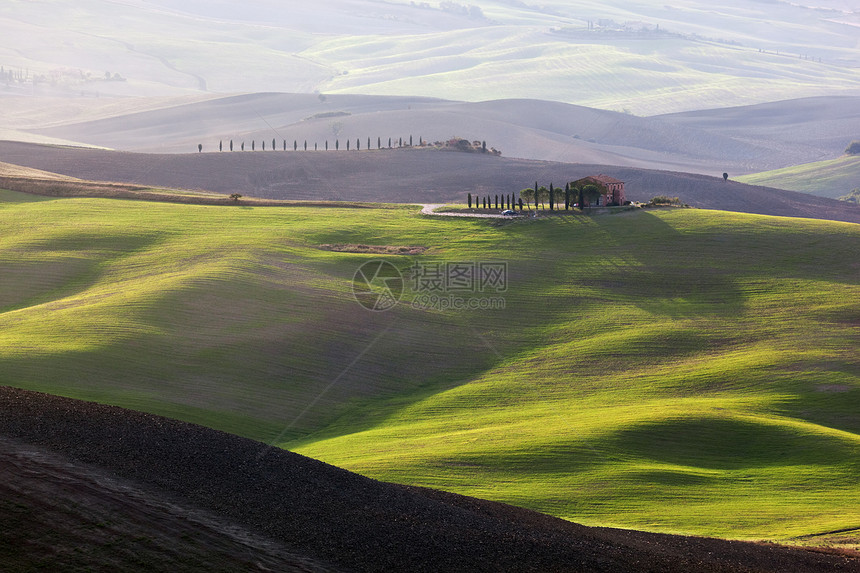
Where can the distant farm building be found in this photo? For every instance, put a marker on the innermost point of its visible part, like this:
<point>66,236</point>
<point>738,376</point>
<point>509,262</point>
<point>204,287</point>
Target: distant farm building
<point>612,189</point>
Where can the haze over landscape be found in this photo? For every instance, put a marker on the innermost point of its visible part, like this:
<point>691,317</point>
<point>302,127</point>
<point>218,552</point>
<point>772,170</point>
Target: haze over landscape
<point>199,198</point>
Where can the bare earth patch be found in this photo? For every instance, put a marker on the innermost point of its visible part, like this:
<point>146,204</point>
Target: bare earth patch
<point>374,249</point>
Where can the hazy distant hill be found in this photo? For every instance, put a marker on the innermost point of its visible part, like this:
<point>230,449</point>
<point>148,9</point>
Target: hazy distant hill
<point>647,57</point>
<point>737,140</point>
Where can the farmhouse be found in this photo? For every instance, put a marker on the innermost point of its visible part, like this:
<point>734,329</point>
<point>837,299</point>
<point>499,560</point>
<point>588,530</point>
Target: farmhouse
<point>612,189</point>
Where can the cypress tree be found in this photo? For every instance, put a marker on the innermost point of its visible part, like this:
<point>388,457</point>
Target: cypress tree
<point>551,197</point>
<point>368,143</point>
<point>566,196</point>
<point>470,200</point>
<point>326,144</point>
<point>231,145</point>
<point>347,145</point>
<point>253,145</point>
<point>358,144</point>
<point>264,145</point>
<point>220,146</point>
<point>378,143</point>
<point>285,145</point>
<point>306,145</point>
<point>410,141</point>
<point>295,145</point>
<point>336,144</point>
<point>389,143</point>
<point>274,145</point>
<point>243,146</point>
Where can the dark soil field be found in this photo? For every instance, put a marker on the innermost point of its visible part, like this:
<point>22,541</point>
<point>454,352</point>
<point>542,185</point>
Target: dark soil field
<point>402,176</point>
<point>99,488</point>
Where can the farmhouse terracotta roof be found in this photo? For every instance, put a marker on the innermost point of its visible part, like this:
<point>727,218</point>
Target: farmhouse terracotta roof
<point>606,179</point>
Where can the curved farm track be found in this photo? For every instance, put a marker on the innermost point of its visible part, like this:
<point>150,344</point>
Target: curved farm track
<point>92,487</point>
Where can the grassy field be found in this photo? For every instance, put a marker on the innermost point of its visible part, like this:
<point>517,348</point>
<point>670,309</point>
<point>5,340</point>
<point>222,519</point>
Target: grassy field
<point>833,178</point>
<point>675,370</point>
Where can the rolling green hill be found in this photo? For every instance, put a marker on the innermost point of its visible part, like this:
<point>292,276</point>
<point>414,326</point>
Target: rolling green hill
<point>675,370</point>
<point>833,178</point>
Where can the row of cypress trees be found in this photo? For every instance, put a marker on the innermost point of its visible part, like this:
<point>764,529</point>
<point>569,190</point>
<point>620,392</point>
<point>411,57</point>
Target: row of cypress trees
<point>304,146</point>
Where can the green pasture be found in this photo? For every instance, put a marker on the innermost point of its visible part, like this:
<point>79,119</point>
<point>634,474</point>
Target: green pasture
<point>672,370</point>
<point>833,178</point>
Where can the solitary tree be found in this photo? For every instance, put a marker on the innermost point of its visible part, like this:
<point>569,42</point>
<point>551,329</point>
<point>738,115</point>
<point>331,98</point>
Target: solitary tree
<point>470,200</point>
<point>378,143</point>
<point>306,145</point>
<point>725,176</point>
<point>199,148</point>
<point>274,145</point>
<point>235,197</point>
<point>253,144</point>
<point>347,145</point>
<point>220,146</point>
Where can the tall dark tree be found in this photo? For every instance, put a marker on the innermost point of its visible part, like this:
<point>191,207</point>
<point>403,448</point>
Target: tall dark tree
<point>243,146</point>
<point>484,146</point>
<point>274,145</point>
<point>220,146</point>
<point>199,148</point>
<point>410,141</point>
<point>566,196</point>
<point>285,145</point>
<point>470,200</point>
<point>389,143</point>
<point>551,197</point>
<point>295,145</point>
<point>358,144</point>
<point>725,176</point>
<point>401,143</point>
<point>315,145</point>
<point>537,194</point>
<point>368,143</point>
<point>378,143</point>
<point>253,145</point>
<point>337,145</point>
<point>264,145</point>
<point>326,144</point>
<point>347,145</point>
<point>231,145</point>
<point>306,145</point>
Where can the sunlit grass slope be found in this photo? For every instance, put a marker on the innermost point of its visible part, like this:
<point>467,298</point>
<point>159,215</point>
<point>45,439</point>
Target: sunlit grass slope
<point>833,178</point>
<point>677,370</point>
